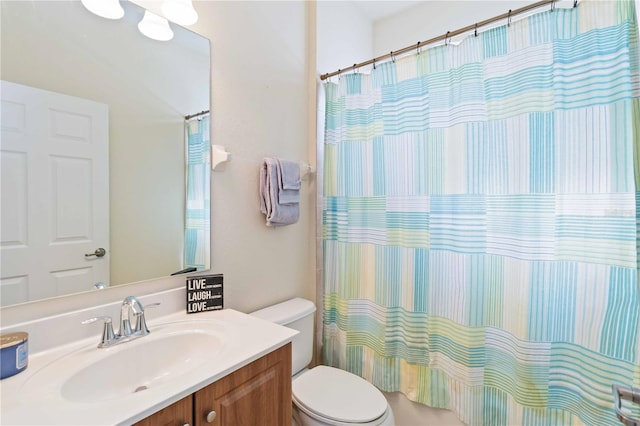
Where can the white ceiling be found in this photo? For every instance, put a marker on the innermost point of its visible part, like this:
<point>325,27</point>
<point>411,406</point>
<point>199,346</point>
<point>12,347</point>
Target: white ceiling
<point>375,10</point>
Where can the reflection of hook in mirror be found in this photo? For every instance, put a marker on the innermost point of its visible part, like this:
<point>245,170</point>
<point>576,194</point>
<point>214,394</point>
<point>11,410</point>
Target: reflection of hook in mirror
<point>146,102</point>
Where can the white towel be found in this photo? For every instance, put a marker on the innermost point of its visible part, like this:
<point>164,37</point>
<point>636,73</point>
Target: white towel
<point>277,214</point>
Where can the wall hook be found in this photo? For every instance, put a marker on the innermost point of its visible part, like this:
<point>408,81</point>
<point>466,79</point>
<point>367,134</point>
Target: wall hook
<point>219,158</point>
<point>306,170</point>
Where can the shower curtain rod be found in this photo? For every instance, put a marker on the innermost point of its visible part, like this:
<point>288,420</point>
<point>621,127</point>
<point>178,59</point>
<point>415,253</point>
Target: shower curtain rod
<point>198,114</point>
<point>508,15</point>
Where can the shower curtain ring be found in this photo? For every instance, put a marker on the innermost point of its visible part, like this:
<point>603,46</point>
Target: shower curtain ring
<point>374,63</point>
<point>475,32</point>
<point>509,18</point>
<point>553,5</point>
<point>354,69</point>
<point>418,48</point>
<point>446,37</point>
<point>575,3</point>
<point>393,58</point>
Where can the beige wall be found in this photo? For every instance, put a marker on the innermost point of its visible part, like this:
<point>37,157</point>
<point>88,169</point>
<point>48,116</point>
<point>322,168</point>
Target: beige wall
<point>262,79</point>
<point>259,108</point>
<point>344,36</point>
<point>260,68</point>
<point>433,18</point>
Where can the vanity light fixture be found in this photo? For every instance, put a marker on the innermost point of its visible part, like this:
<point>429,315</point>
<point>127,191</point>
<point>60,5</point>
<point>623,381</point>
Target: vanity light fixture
<point>109,9</point>
<point>180,11</point>
<point>155,27</point>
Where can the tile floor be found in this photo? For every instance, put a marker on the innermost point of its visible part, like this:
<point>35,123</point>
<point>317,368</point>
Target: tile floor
<point>409,413</point>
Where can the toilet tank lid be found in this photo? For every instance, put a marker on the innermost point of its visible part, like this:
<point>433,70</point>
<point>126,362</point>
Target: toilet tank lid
<point>286,312</point>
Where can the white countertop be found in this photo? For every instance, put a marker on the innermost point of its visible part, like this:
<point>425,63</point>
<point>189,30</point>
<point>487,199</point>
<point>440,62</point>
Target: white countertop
<point>247,339</point>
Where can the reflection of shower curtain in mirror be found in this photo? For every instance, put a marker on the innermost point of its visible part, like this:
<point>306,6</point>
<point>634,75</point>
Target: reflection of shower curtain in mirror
<point>197,234</point>
<point>480,220</point>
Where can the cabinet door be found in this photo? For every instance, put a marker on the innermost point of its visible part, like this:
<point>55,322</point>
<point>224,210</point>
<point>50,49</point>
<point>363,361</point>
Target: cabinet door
<point>177,414</point>
<point>258,394</point>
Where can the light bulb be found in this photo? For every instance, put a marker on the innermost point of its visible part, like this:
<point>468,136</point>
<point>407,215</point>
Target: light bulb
<point>155,27</point>
<point>180,11</point>
<point>109,9</point>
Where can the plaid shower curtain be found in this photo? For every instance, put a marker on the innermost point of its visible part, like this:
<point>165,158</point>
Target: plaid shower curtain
<point>197,212</point>
<point>481,220</point>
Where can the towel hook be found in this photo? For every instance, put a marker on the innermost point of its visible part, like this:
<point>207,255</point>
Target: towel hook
<point>306,170</point>
<point>219,158</point>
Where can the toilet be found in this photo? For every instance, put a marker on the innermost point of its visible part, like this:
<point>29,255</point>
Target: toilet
<point>324,395</point>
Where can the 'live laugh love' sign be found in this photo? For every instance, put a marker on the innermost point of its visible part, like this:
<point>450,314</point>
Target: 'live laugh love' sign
<point>204,293</point>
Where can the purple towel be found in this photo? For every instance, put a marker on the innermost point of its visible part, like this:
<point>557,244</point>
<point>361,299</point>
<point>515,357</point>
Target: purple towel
<point>278,214</point>
<point>288,182</point>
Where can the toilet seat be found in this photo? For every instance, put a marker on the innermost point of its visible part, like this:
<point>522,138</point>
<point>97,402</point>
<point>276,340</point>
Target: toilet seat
<point>338,396</point>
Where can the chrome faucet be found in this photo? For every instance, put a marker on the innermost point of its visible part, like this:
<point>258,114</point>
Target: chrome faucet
<point>131,306</point>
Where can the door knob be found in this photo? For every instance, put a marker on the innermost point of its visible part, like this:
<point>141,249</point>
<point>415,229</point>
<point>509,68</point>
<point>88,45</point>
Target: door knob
<point>98,253</point>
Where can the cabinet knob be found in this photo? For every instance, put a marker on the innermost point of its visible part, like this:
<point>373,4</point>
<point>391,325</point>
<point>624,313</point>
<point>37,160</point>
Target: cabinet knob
<point>211,416</point>
<point>186,424</point>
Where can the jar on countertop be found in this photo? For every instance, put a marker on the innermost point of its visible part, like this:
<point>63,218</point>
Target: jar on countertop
<point>14,353</point>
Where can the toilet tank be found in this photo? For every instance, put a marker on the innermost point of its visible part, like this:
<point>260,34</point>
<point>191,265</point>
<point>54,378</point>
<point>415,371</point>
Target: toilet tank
<point>297,314</point>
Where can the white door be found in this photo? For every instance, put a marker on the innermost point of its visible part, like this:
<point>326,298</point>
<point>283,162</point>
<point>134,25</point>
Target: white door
<point>54,164</point>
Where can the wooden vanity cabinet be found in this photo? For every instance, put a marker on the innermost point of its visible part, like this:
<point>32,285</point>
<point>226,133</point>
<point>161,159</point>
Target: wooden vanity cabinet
<point>177,414</point>
<point>258,394</point>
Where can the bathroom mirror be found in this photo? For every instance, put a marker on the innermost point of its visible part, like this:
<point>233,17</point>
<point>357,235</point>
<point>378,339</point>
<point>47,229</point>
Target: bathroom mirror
<point>148,87</point>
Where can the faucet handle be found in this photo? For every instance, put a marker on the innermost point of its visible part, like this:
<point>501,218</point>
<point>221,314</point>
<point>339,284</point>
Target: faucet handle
<point>108,336</point>
<point>141,323</point>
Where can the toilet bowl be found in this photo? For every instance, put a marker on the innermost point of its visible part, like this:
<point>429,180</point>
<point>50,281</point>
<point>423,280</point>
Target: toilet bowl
<point>324,395</point>
<point>330,396</point>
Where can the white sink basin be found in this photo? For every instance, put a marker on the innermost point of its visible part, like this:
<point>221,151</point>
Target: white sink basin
<point>79,384</point>
<point>169,352</point>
